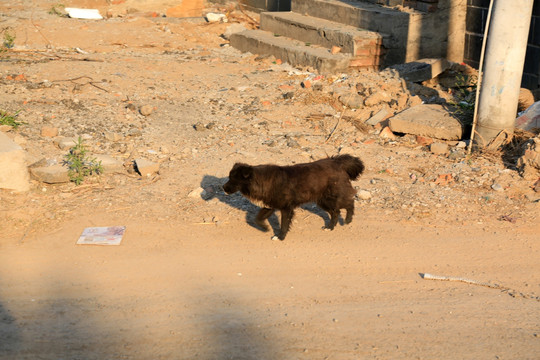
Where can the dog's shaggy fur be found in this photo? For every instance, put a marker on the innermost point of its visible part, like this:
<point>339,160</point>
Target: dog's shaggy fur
<point>326,182</point>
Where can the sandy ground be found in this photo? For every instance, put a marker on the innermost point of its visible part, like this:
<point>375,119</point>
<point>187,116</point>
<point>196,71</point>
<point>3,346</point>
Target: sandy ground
<point>193,278</point>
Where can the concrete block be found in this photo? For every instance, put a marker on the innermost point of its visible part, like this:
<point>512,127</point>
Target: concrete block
<point>110,164</point>
<point>13,170</point>
<point>428,120</point>
<point>146,167</point>
<point>422,70</point>
<point>54,174</point>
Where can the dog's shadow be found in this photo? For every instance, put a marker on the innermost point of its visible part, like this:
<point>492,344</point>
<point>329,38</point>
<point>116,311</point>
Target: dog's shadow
<point>213,188</point>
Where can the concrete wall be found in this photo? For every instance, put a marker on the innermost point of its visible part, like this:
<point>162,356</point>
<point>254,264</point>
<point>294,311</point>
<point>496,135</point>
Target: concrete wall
<point>477,11</point>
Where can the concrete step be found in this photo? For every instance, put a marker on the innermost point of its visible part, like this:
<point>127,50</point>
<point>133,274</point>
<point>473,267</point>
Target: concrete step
<point>400,28</point>
<point>322,32</point>
<point>294,52</point>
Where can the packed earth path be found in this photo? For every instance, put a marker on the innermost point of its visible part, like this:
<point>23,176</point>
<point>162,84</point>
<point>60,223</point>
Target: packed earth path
<point>194,277</point>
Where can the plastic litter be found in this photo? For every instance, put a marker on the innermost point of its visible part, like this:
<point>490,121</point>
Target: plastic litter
<point>530,118</point>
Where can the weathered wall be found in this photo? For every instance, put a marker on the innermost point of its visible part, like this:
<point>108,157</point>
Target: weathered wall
<point>477,11</point>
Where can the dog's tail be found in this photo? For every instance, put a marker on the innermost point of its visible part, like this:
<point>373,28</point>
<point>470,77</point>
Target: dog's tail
<point>353,166</point>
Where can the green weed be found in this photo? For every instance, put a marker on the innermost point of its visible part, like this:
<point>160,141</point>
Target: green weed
<point>9,119</point>
<point>80,165</point>
<point>8,39</point>
<point>465,98</point>
<point>58,10</point>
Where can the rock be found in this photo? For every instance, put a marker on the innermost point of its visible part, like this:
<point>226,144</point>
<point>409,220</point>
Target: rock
<point>526,99</point>
<point>377,98</point>
<point>364,195</point>
<point>427,120</point>
<point>335,50</point>
<point>13,171</point>
<point>65,143</point>
<point>146,167</point>
<point>49,131</point>
<point>233,29</point>
<point>197,193</point>
<point>529,163</point>
<point>497,187</point>
<point>214,17</point>
<point>424,141</point>
<point>54,174</point>
<point>422,70</point>
<point>381,115</point>
<point>386,133</point>
<point>306,84</point>
<point>439,148</point>
<point>146,110</point>
<point>112,136</point>
<point>109,164</point>
<point>352,100</point>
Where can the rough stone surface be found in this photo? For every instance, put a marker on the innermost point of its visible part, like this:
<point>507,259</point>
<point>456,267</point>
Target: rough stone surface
<point>439,148</point>
<point>422,70</point>
<point>65,143</point>
<point>53,174</point>
<point>109,163</point>
<point>428,120</point>
<point>146,167</point>
<point>13,172</point>
<point>529,164</point>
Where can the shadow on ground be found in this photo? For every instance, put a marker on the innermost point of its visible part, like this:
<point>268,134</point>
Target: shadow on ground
<point>213,188</point>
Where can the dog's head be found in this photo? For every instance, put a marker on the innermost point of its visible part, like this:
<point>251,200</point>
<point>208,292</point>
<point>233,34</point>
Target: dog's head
<point>239,178</point>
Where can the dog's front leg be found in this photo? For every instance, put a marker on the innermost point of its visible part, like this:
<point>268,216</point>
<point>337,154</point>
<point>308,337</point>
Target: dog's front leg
<point>286,218</point>
<point>263,214</point>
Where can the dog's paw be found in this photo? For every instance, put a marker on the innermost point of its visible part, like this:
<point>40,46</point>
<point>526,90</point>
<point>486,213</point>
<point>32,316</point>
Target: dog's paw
<point>325,228</point>
<point>275,238</point>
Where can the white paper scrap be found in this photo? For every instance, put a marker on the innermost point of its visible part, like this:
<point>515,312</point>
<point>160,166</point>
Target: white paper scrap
<point>91,14</point>
<point>111,235</point>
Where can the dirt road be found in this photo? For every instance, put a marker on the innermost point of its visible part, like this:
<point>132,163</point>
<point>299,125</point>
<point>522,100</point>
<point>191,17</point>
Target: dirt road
<point>193,278</point>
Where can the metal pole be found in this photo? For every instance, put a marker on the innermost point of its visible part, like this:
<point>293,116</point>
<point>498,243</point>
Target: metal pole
<point>503,69</point>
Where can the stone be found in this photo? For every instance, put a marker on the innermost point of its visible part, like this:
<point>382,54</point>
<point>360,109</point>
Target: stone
<point>352,100</point>
<point>49,131</point>
<point>65,143</point>
<point>381,115</point>
<point>110,164</point>
<point>497,187</point>
<point>428,120</point>
<point>54,174</point>
<point>424,141</point>
<point>525,100</point>
<point>364,195</point>
<point>335,50</point>
<point>422,70</point>
<point>233,29</point>
<point>377,98</point>
<point>13,173</point>
<point>146,110</point>
<point>386,133</point>
<point>439,148</point>
<point>146,167</point>
<point>216,17</point>
<point>528,164</point>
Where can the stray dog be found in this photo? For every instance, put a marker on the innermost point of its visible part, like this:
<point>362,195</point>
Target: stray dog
<point>327,182</point>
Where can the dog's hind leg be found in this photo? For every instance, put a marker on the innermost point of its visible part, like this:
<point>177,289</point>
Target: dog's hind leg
<point>286,218</point>
<point>263,214</point>
<point>334,216</point>
<point>350,212</point>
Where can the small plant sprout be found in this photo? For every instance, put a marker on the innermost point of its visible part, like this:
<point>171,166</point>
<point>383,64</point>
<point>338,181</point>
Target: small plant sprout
<point>80,165</point>
<point>9,119</point>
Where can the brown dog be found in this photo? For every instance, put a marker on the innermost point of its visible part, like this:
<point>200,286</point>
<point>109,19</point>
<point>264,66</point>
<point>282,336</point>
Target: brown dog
<point>326,182</point>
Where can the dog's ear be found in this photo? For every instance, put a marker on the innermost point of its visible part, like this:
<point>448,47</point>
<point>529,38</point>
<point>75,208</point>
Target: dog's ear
<point>244,170</point>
